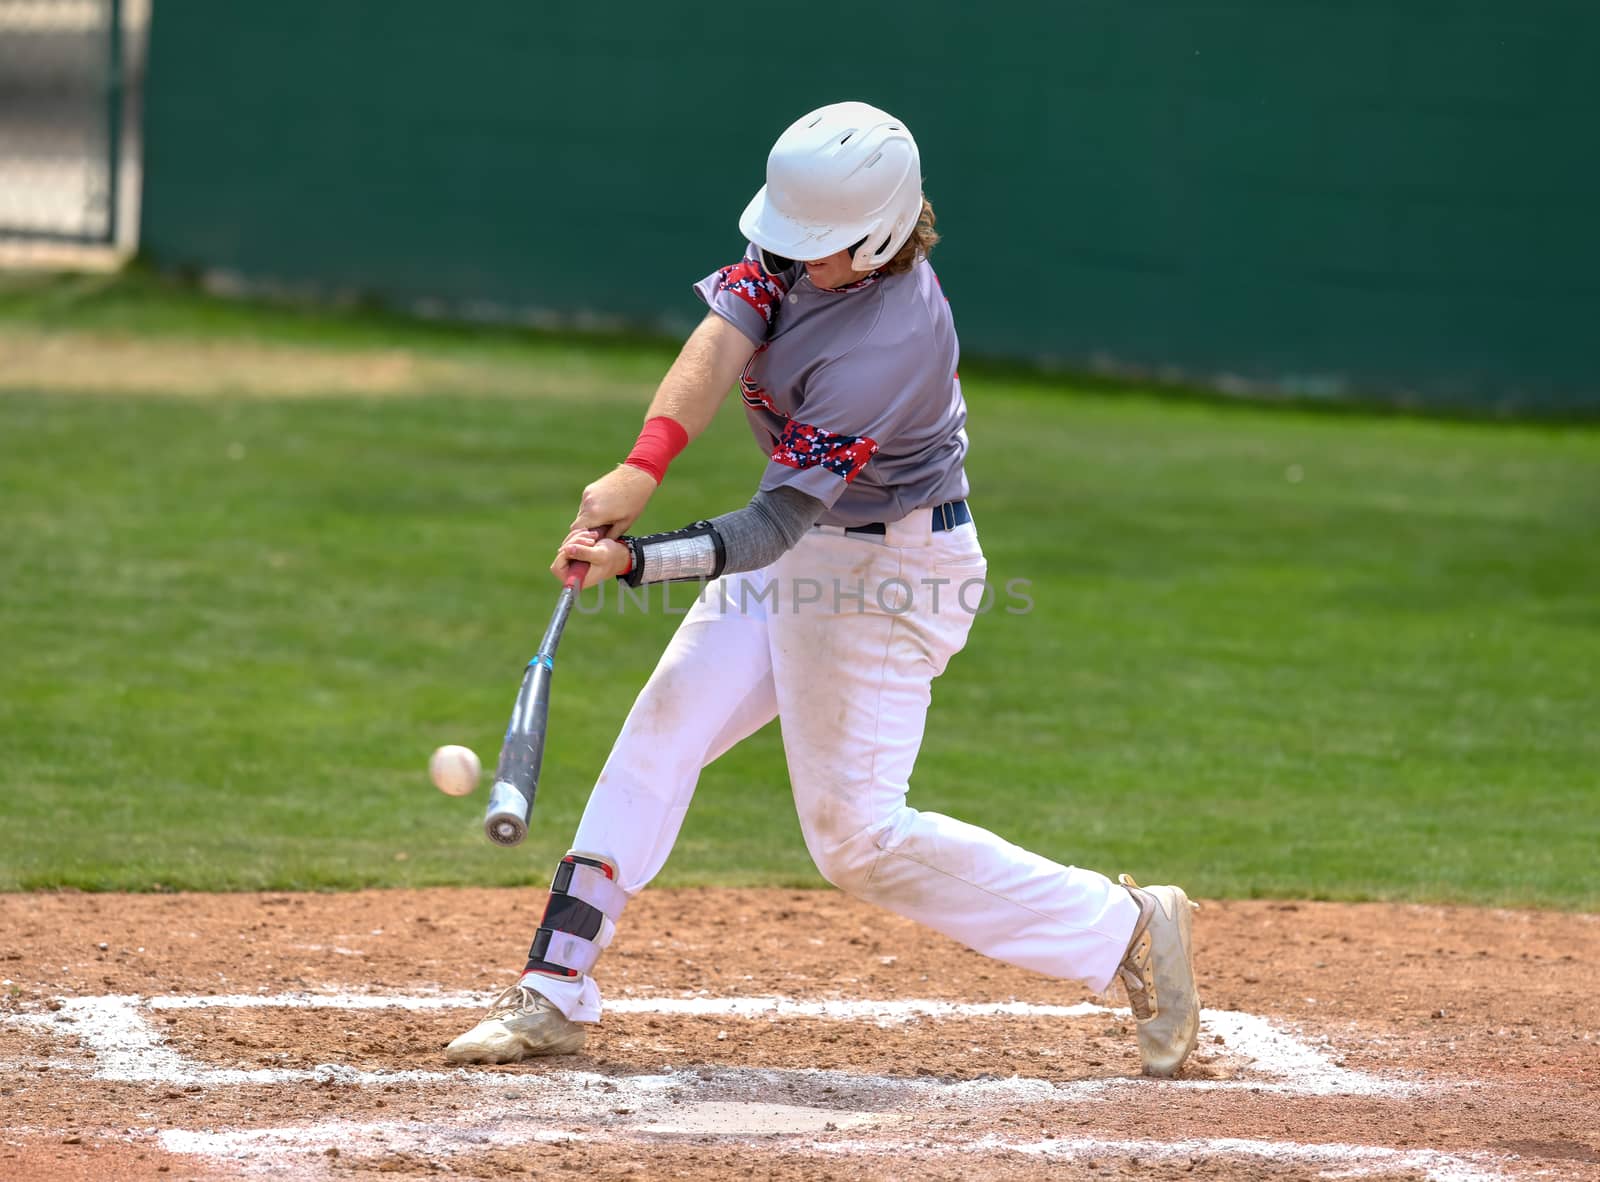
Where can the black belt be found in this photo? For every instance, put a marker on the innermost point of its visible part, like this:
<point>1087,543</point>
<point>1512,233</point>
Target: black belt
<point>945,516</point>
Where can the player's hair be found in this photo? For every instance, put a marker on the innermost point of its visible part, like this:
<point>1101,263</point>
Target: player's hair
<point>921,243</point>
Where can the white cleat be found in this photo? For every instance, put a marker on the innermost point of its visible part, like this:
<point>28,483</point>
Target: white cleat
<point>1158,973</point>
<point>521,1024</point>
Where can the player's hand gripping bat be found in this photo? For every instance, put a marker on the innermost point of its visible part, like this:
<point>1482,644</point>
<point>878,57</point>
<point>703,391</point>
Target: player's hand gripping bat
<point>516,778</point>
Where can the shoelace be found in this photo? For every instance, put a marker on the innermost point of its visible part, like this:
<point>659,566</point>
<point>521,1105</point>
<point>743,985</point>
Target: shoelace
<point>512,998</point>
<point>1134,972</point>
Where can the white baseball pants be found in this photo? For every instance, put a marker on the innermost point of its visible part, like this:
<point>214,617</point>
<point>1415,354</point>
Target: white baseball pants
<point>849,676</point>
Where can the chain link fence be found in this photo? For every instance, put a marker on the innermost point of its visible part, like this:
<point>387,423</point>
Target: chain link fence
<point>64,119</point>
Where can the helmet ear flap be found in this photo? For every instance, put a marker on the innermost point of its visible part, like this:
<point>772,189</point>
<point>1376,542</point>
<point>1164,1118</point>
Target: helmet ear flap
<point>774,263</point>
<point>878,250</point>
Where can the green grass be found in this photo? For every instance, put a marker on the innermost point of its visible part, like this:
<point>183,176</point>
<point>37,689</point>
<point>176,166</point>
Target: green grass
<point>1272,652</point>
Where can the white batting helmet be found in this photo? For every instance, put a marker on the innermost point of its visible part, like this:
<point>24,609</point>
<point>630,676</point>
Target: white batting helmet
<point>844,177</point>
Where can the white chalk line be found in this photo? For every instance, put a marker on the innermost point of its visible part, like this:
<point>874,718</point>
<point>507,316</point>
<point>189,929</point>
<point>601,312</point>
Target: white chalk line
<point>265,1149</point>
<point>128,1048</point>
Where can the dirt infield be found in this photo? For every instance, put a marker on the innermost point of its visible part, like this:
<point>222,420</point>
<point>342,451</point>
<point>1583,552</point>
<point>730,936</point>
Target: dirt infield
<point>781,1034</point>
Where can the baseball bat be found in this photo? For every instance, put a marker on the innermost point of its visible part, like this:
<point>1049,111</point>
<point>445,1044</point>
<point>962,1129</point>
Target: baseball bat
<point>516,777</point>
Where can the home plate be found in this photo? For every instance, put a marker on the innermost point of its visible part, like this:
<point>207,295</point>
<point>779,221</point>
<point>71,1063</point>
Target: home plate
<point>732,1119</point>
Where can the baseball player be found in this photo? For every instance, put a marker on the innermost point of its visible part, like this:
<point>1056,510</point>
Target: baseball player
<point>833,600</point>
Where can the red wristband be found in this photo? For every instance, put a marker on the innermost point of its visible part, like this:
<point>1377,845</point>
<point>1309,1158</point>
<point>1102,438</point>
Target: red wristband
<point>658,445</point>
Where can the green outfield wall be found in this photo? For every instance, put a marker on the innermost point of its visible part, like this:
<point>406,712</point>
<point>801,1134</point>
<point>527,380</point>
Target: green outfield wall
<point>1365,197</point>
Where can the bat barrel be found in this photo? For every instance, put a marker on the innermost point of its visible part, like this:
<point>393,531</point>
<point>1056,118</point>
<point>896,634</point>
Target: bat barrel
<point>516,779</point>
<point>506,822</point>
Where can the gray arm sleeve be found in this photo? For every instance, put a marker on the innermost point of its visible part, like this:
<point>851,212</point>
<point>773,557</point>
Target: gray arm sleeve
<point>766,528</point>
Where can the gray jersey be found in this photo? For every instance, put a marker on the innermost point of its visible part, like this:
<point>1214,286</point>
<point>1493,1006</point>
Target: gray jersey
<point>853,394</point>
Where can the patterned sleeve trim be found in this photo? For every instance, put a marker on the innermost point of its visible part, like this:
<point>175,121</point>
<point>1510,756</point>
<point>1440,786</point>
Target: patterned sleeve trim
<point>752,285</point>
<point>804,446</point>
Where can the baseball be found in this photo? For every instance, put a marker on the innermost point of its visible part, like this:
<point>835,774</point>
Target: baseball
<point>455,770</point>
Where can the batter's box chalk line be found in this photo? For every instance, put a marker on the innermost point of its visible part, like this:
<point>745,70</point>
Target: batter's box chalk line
<point>266,1150</point>
<point>128,1047</point>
